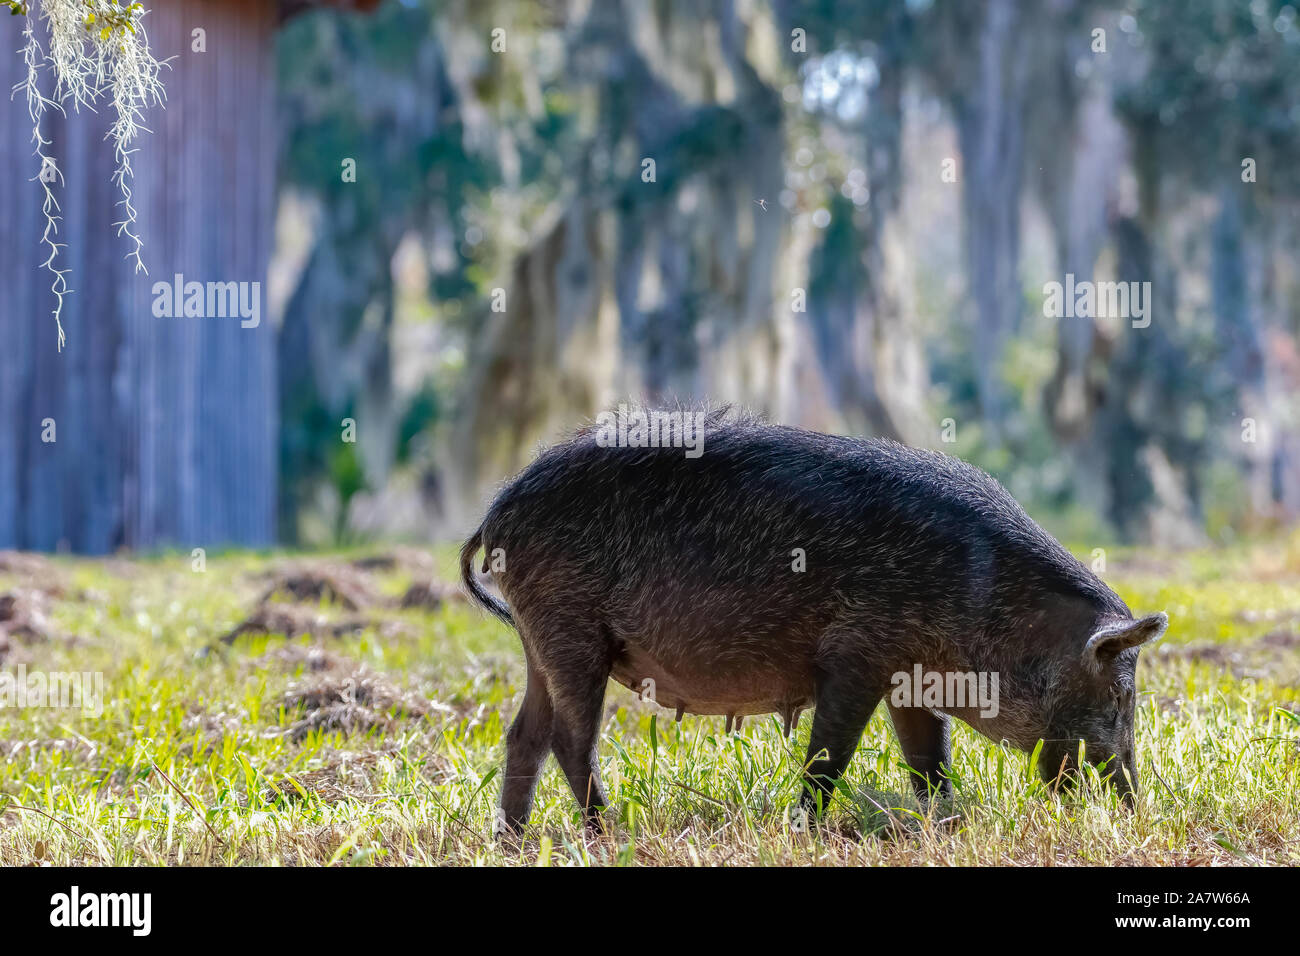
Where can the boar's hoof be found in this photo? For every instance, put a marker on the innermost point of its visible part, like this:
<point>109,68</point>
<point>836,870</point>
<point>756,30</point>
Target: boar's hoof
<point>731,718</point>
<point>681,710</point>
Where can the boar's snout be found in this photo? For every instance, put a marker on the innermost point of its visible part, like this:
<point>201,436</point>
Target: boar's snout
<point>1100,724</point>
<point>1058,766</point>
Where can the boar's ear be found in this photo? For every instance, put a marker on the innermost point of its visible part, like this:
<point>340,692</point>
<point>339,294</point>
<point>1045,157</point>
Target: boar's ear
<point>1109,639</point>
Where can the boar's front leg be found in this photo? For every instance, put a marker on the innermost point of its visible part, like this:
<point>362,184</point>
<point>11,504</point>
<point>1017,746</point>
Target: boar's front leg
<point>926,740</point>
<point>844,699</point>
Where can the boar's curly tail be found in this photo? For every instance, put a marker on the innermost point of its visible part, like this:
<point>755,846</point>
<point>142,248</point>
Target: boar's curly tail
<point>481,597</point>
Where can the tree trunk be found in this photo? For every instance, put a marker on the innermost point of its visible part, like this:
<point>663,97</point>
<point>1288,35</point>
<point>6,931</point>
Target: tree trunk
<point>990,108</point>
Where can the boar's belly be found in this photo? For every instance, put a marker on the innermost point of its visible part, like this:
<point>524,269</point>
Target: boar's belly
<point>709,689</point>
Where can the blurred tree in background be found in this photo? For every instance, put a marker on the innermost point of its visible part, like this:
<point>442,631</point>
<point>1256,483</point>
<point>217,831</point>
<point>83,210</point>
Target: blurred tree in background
<point>841,214</point>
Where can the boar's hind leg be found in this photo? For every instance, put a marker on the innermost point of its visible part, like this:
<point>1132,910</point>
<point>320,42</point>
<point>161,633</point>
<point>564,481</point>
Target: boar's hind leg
<point>843,707</point>
<point>927,747</point>
<point>578,694</point>
<point>528,742</point>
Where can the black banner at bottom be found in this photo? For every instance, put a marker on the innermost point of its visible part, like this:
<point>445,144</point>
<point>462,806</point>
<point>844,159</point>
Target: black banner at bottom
<point>304,906</point>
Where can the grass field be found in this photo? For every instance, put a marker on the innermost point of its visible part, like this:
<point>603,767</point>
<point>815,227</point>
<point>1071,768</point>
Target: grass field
<point>375,737</point>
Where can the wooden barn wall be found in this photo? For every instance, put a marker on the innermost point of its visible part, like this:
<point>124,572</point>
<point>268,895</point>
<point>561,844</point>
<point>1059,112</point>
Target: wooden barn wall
<point>165,426</point>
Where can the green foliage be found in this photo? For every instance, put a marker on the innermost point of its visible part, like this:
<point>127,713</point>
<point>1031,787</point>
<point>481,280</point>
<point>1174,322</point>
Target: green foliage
<point>1220,87</point>
<point>339,78</point>
<point>422,414</point>
<point>348,477</point>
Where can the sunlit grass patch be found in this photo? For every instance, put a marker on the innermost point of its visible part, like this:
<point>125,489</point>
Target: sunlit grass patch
<point>201,754</point>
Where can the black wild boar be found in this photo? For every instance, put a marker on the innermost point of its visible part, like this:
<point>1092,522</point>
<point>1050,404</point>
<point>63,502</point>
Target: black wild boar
<point>782,569</point>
